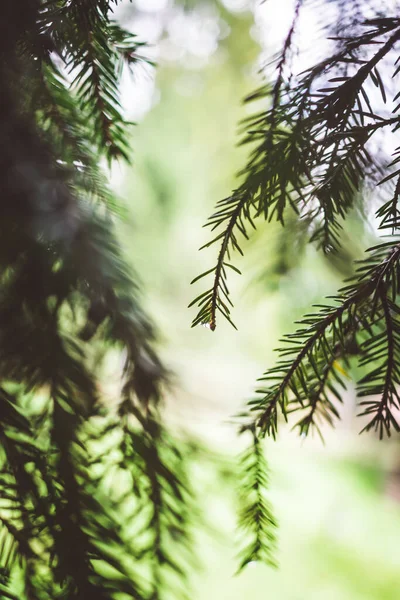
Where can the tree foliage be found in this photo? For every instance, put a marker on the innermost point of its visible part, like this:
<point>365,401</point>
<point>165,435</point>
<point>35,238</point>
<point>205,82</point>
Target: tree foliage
<point>316,149</point>
<point>95,499</point>
<point>94,496</point>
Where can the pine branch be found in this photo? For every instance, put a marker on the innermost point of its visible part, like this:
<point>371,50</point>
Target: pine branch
<point>65,287</point>
<point>308,353</point>
<point>235,210</point>
<point>320,406</point>
<point>255,517</point>
<point>94,47</point>
<point>311,154</point>
<point>383,348</point>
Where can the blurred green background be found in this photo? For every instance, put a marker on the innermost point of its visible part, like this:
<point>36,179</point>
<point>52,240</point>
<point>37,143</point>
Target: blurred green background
<point>337,504</point>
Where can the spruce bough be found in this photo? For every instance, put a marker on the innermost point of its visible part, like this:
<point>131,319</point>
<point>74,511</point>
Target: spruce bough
<point>95,502</point>
<point>313,156</point>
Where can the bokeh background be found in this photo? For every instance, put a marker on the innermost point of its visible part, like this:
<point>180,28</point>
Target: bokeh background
<point>338,503</point>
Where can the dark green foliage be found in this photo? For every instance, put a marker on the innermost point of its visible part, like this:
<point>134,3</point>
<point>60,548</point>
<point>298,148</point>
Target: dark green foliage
<point>94,498</point>
<point>316,151</point>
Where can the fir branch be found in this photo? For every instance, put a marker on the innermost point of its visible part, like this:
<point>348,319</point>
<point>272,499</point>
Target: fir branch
<point>63,282</point>
<point>320,406</point>
<point>255,517</point>
<point>383,349</point>
<point>307,353</point>
<point>311,154</point>
<point>235,210</point>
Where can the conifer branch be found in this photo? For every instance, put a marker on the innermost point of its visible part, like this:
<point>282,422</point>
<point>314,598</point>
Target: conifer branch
<point>65,286</point>
<point>256,520</point>
<point>312,151</point>
<point>308,358</point>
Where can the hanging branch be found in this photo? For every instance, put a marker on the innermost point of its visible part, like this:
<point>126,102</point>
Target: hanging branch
<point>311,154</point>
<point>238,210</point>
<point>256,520</point>
<point>314,153</point>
